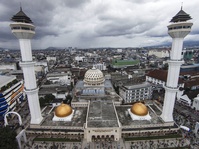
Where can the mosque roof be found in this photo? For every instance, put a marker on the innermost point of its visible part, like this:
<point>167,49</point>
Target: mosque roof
<point>93,76</point>
<point>63,110</point>
<point>181,16</point>
<point>139,109</point>
<point>21,17</point>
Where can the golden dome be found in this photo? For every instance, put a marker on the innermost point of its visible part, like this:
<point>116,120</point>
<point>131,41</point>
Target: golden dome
<point>139,109</point>
<point>63,110</point>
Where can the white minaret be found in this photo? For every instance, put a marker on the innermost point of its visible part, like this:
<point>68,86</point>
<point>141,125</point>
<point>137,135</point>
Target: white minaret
<point>24,30</point>
<point>178,29</point>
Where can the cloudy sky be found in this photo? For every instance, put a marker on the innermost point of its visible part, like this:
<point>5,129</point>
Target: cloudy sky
<point>97,23</point>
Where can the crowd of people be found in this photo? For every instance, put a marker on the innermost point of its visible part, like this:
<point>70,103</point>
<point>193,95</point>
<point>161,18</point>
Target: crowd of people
<point>183,119</point>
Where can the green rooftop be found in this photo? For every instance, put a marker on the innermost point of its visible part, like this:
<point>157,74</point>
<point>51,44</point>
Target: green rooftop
<point>117,62</point>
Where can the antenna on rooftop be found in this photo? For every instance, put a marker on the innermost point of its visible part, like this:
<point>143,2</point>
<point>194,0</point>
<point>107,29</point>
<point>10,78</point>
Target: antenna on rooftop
<point>181,5</point>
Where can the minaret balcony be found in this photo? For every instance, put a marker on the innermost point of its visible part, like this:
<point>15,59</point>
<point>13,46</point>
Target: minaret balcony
<point>179,29</point>
<point>23,30</point>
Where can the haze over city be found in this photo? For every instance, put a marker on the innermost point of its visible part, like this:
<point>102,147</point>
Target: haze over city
<point>94,23</point>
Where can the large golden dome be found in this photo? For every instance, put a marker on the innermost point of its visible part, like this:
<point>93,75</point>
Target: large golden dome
<point>139,109</point>
<point>63,110</point>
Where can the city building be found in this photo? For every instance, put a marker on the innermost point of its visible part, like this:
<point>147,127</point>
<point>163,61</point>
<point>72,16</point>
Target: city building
<point>11,93</point>
<point>93,85</point>
<point>60,78</point>
<point>161,53</point>
<point>195,104</point>
<point>50,58</point>
<point>100,66</point>
<point>80,59</point>
<point>137,92</point>
<point>158,77</point>
<point>116,63</point>
<point>8,66</point>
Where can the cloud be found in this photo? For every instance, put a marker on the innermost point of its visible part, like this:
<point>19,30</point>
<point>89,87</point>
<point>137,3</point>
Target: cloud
<point>75,3</point>
<point>97,23</point>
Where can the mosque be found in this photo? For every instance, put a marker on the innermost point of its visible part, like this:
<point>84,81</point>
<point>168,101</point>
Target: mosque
<point>96,114</point>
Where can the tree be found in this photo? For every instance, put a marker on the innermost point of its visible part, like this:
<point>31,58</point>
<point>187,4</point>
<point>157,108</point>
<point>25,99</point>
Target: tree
<point>42,101</point>
<point>68,99</point>
<point>8,138</point>
<point>116,89</point>
<point>71,86</point>
<point>47,99</point>
<point>3,88</point>
<point>165,66</point>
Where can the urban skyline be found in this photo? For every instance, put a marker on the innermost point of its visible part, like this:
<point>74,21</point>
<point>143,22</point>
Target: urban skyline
<point>86,24</point>
<point>118,106</point>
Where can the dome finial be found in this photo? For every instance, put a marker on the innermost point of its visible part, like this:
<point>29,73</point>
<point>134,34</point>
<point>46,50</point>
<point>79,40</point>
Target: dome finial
<point>94,67</point>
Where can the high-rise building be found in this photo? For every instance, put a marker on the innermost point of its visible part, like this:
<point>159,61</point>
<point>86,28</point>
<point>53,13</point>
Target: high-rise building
<point>24,30</point>
<point>178,29</point>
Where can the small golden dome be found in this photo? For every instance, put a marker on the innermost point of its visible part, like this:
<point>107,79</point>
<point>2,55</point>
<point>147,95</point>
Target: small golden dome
<point>139,109</point>
<point>63,110</point>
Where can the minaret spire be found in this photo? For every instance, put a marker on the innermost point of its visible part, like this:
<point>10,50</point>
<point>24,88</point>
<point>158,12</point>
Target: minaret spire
<point>181,5</point>
<point>20,7</point>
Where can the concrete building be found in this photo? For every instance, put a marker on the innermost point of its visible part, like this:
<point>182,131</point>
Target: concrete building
<point>6,66</point>
<point>80,59</point>
<point>159,53</point>
<point>100,66</point>
<point>60,78</point>
<point>44,65</point>
<point>11,93</point>
<point>50,58</point>
<point>124,63</point>
<point>137,92</point>
<point>159,78</point>
<point>195,104</point>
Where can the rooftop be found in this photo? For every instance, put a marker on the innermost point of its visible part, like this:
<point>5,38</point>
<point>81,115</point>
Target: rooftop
<point>126,120</point>
<point>78,119</point>
<point>160,75</point>
<point>6,79</point>
<point>21,17</point>
<point>181,16</point>
<point>102,114</point>
<point>143,84</point>
<point>124,62</point>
